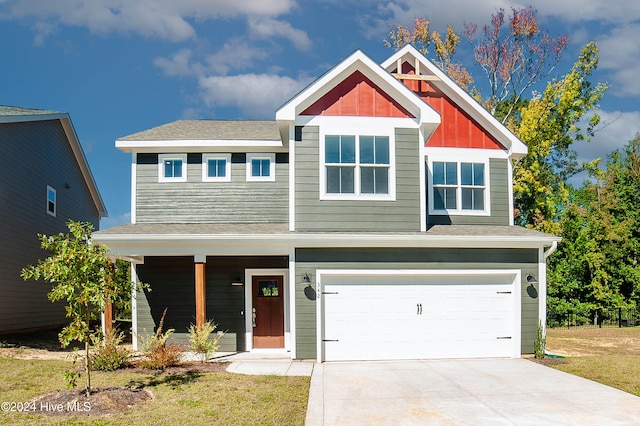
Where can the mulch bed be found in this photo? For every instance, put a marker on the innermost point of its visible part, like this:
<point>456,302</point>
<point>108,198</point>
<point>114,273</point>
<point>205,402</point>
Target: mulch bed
<point>105,401</point>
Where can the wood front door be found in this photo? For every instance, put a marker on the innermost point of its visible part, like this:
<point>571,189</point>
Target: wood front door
<point>268,311</point>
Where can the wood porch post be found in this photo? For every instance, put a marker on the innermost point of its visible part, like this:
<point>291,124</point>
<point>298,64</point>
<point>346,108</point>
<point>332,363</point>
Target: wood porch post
<point>108,317</point>
<point>201,299</point>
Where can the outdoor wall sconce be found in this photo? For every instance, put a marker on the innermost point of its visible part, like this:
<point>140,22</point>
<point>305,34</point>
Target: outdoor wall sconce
<point>237,281</point>
<point>531,279</point>
<point>306,279</point>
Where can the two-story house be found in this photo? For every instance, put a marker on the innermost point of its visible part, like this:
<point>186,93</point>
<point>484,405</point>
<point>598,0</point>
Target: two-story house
<point>44,182</point>
<point>372,219</point>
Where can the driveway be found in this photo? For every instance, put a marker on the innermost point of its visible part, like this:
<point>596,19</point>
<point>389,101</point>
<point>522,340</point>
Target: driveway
<point>462,392</point>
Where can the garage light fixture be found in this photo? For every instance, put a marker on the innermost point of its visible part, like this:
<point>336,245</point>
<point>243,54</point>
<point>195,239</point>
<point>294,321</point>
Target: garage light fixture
<point>306,279</point>
<point>531,279</point>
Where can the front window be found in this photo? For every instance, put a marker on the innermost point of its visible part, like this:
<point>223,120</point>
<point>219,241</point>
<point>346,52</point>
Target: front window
<point>51,201</point>
<point>261,167</point>
<point>357,165</point>
<point>216,167</point>
<point>172,168</point>
<point>458,186</point>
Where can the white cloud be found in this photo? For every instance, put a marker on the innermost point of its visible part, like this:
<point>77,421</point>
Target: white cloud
<point>235,54</point>
<point>256,95</point>
<point>267,27</point>
<point>164,19</point>
<point>617,128</point>
<point>179,64</point>
<point>620,53</point>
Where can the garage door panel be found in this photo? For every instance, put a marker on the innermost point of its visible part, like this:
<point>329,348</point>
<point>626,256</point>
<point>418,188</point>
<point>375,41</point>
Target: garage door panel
<point>417,317</point>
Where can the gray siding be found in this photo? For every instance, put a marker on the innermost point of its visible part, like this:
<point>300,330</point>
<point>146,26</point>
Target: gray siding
<point>172,283</point>
<point>38,154</point>
<point>312,214</point>
<point>195,201</point>
<point>309,260</point>
<point>500,209</point>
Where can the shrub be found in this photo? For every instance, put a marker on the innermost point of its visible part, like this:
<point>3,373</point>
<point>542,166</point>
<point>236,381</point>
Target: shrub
<point>200,342</point>
<point>158,354</point>
<point>107,352</point>
<point>540,344</point>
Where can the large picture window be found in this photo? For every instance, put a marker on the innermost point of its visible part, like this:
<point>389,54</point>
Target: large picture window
<point>458,186</point>
<point>357,165</point>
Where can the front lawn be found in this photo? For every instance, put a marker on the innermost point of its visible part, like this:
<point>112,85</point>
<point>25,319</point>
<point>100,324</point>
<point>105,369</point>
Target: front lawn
<point>606,355</point>
<point>187,398</point>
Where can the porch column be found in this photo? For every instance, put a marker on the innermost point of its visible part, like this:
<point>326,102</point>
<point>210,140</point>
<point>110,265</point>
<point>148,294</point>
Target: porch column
<point>108,317</point>
<point>201,299</point>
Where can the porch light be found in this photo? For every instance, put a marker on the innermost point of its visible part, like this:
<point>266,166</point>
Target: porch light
<point>237,281</point>
<point>305,278</point>
<point>531,279</point>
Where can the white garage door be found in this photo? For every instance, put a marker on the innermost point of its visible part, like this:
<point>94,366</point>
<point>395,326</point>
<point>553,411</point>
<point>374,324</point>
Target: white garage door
<point>401,316</point>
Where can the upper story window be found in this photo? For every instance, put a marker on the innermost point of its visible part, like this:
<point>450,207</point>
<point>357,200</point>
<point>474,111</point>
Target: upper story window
<point>357,166</point>
<point>458,187</point>
<point>51,201</point>
<point>172,167</point>
<point>216,167</point>
<point>261,167</point>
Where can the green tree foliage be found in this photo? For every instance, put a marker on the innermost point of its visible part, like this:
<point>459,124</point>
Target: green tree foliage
<point>548,126</point>
<point>83,275</point>
<point>597,264</point>
<point>423,39</point>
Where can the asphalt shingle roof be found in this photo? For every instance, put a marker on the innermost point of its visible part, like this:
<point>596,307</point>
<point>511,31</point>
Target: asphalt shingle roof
<point>209,130</point>
<point>7,111</point>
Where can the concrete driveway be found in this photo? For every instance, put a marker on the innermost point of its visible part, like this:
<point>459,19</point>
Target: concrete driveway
<point>462,392</point>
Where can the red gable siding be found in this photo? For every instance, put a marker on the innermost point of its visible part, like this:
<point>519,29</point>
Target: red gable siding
<point>457,128</point>
<point>357,96</point>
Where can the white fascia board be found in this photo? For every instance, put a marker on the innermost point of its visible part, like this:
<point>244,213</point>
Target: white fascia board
<point>282,244</point>
<point>516,148</point>
<point>358,61</point>
<point>229,145</point>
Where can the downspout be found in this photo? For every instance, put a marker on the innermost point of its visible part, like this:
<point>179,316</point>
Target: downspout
<point>549,252</point>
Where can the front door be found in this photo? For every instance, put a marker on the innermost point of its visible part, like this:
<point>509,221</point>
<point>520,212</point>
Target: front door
<point>268,311</point>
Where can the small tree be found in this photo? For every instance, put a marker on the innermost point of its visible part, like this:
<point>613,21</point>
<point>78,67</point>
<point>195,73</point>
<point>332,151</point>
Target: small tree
<point>83,274</point>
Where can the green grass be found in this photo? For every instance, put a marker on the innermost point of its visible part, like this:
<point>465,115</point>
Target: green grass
<point>190,398</point>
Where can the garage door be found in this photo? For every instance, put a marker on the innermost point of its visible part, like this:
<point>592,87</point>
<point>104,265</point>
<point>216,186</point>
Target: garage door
<point>403,316</point>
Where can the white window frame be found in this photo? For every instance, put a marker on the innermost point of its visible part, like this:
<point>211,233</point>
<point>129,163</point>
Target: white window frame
<point>55,201</point>
<point>357,194</point>
<point>459,158</point>
<point>162,158</point>
<point>205,168</point>
<point>261,156</point>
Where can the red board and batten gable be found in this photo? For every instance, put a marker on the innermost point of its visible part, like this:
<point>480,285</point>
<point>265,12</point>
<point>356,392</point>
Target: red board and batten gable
<point>457,129</point>
<point>357,96</point>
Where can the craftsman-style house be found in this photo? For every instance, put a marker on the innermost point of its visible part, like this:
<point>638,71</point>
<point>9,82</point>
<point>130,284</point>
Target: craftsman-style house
<point>372,219</point>
<point>44,182</point>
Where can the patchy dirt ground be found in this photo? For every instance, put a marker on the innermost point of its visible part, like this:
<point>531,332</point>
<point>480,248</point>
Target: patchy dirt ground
<point>103,401</point>
<point>594,341</point>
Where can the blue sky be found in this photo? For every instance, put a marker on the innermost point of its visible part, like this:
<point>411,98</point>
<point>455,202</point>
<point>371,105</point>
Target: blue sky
<point>122,66</point>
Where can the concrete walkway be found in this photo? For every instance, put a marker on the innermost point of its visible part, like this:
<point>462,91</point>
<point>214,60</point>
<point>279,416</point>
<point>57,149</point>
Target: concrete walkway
<point>462,392</point>
<point>265,363</point>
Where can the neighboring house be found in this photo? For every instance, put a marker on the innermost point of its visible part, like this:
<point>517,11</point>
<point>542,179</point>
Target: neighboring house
<point>373,219</point>
<point>44,181</point>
